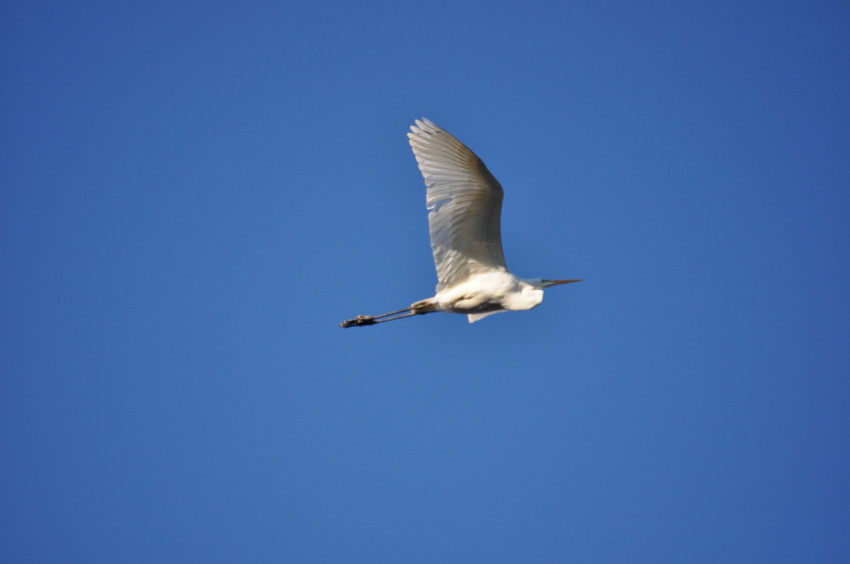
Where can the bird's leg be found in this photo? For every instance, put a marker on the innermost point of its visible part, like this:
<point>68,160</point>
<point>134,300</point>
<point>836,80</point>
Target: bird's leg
<point>373,319</point>
<point>384,317</point>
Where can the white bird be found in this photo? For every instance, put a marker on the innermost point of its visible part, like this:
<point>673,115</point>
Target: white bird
<point>464,209</point>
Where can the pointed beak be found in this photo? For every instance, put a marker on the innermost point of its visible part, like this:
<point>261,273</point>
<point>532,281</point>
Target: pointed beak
<point>557,282</point>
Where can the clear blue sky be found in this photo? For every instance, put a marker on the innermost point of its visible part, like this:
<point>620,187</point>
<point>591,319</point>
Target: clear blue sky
<point>194,195</point>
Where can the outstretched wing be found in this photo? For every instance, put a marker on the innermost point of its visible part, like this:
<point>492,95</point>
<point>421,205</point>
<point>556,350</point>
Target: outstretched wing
<point>464,205</point>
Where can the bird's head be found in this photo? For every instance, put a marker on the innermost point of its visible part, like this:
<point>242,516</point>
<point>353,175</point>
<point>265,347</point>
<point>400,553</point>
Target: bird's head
<point>545,282</point>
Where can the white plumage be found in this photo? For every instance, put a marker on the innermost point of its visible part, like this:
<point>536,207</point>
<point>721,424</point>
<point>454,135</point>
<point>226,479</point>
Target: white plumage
<point>464,205</point>
<point>464,214</point>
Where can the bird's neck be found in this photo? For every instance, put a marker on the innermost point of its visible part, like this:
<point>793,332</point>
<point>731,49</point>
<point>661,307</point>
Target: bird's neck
<point>529,296</point>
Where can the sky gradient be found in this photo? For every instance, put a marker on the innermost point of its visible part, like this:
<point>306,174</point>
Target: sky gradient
<point>196,194</point>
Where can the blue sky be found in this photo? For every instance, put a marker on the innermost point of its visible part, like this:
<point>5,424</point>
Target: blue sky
<point>196,194</point>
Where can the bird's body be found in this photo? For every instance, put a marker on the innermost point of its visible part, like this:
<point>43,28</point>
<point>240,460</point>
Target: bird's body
<point>483,294</point>
<point>464,208</point>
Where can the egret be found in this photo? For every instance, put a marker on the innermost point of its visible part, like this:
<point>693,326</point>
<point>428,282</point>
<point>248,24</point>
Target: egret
<point>464,208</point>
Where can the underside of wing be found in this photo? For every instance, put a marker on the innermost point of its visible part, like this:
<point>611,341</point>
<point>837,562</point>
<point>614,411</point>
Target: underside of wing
<point>464,205</point>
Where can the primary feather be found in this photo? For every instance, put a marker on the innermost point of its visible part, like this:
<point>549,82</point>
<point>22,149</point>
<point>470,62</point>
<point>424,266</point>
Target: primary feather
<point>464,205</point>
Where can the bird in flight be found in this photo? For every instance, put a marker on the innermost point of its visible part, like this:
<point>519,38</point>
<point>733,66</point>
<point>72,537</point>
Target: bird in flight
<point>464,215</point>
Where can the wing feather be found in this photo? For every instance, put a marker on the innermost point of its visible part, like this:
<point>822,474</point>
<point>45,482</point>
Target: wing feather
<point>464,205</point>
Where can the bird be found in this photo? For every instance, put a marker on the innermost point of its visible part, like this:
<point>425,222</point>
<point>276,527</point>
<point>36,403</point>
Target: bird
<point>464,215</point>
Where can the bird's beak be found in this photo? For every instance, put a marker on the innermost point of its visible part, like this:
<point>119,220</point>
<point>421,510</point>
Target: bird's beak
<point>557,282</point>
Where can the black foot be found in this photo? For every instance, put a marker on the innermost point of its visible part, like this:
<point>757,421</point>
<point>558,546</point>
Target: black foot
<point>358,321</point>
